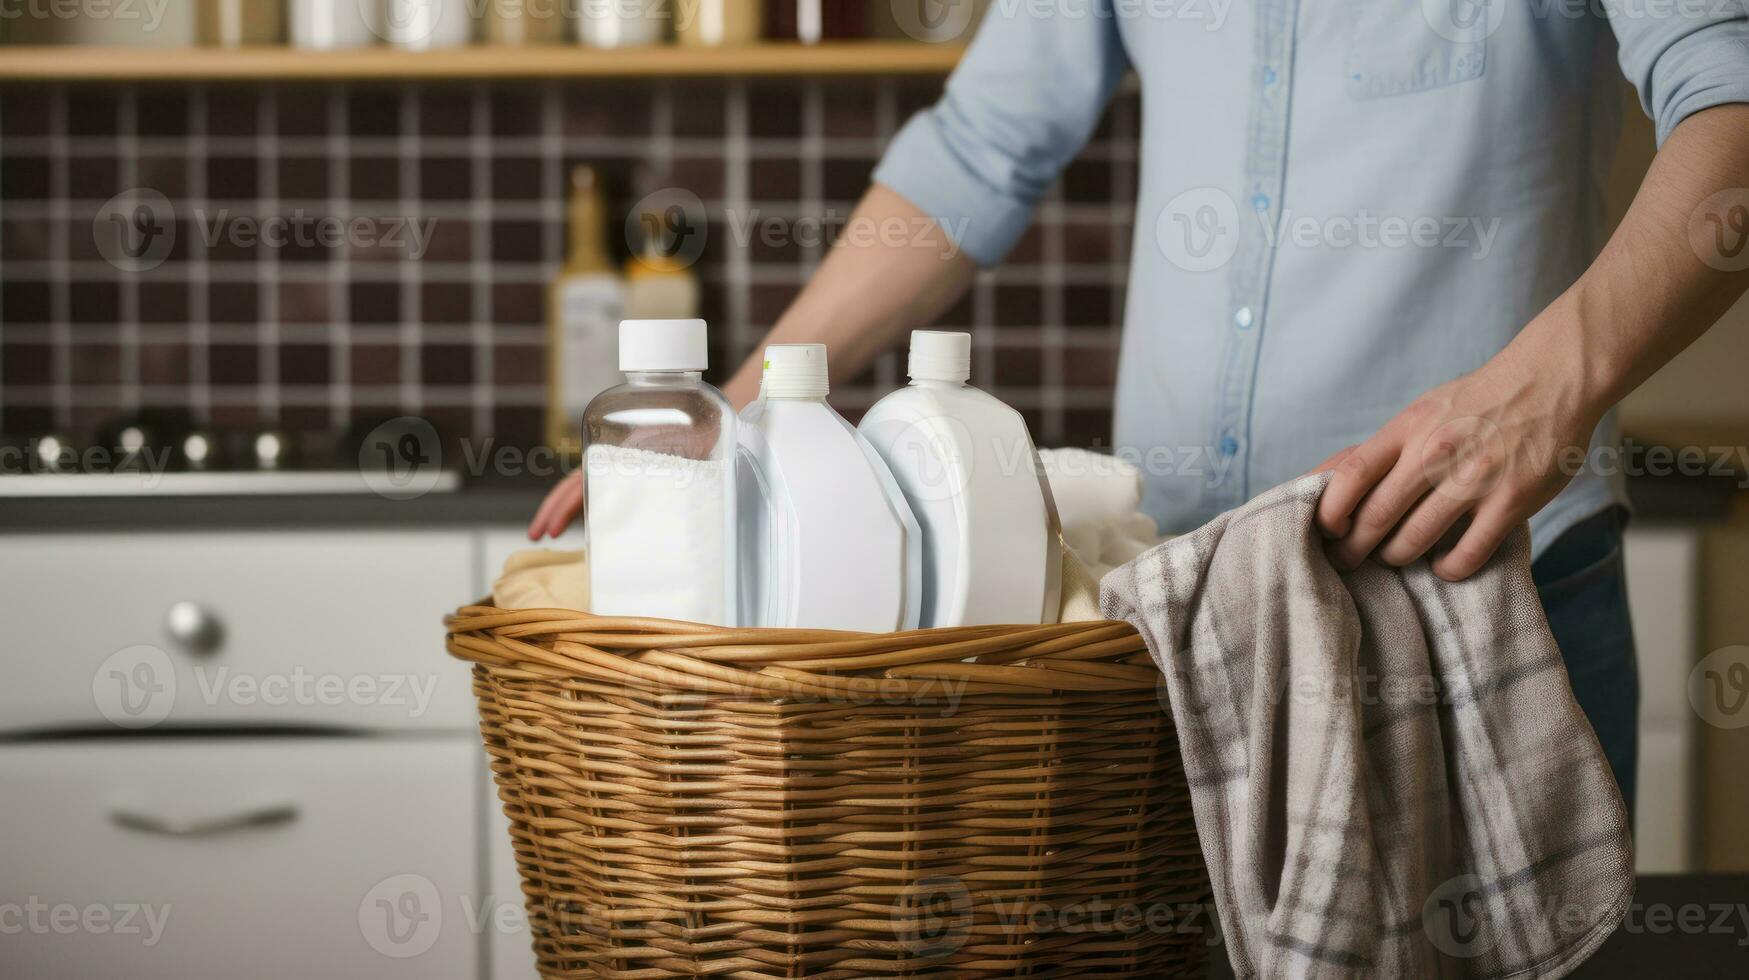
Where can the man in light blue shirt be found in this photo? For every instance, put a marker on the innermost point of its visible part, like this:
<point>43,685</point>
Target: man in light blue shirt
<point>1370,235</point>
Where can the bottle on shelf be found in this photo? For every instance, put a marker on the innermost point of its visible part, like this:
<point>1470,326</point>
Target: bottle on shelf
<point>623,23</point>
<point>813,21</point>
<point>516,23</point>
<point>586,303</point>
<point>428,25</point>
<point>718,23</point>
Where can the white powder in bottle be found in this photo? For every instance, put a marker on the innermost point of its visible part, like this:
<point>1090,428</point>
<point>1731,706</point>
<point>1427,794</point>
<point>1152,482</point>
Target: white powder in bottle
<point>659,533</point>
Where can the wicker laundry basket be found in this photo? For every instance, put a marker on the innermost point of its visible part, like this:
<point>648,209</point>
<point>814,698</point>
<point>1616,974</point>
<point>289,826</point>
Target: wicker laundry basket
<point>689,801</point>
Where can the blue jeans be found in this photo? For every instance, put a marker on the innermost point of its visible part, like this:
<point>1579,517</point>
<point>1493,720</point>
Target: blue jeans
<point>1583,586</point>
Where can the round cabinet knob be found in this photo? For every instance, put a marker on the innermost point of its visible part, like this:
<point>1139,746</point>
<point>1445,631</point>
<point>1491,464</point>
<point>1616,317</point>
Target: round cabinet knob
<point>195,628</point>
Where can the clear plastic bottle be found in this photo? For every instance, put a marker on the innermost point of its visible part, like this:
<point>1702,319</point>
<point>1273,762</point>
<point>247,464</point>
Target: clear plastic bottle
<point>659,478</point>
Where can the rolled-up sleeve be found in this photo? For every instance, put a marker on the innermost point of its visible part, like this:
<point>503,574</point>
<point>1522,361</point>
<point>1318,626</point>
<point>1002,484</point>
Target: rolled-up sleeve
<point>1021,104</point>
<point>1683,56</point>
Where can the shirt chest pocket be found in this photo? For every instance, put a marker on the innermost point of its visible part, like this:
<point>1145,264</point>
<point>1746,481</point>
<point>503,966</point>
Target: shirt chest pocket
<point>1401,46</point>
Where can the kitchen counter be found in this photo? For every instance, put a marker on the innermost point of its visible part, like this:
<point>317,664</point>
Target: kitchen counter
<point>476,503</point>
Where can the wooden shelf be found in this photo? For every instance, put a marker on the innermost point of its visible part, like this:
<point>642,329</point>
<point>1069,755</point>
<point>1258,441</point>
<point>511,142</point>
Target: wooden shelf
<point>23,63</point>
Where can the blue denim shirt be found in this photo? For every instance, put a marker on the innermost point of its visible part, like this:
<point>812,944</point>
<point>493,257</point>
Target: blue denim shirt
<point>1341,205</point>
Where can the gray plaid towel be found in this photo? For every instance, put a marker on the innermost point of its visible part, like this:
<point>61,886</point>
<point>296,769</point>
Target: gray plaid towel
<point>1389,772</point>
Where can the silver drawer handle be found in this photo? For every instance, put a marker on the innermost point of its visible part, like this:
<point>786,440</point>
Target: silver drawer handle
<point>194,627</point>
<point>271,816</point>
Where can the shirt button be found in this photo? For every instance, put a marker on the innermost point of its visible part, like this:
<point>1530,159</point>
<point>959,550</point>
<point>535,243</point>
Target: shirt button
<point>1261,202</point>
<point>1242,318</point>
<point>1269,76</point>
<point>1229,446</point>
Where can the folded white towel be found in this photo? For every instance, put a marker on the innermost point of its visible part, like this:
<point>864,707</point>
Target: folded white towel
<point>1099,500</point>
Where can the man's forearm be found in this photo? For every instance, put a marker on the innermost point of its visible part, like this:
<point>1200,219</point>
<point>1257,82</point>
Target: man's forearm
<point>1652,291</point>
<point>892,270</point>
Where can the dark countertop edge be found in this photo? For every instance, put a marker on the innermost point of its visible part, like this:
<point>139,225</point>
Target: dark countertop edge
<point>468,507</point>
<point>1657,501</point>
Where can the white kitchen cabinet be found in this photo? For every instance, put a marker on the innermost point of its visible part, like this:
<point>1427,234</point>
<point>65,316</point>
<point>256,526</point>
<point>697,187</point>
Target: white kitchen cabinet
<point>309,628</point>
<point>344,858</point>
<point>1663,571</point>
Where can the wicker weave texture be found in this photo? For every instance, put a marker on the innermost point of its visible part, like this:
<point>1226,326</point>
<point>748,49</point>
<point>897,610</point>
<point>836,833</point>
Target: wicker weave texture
<point>689,801</point>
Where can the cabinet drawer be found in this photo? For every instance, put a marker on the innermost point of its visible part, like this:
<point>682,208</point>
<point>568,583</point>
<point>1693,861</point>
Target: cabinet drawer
<point>292,628</point>
<point>181,858</point>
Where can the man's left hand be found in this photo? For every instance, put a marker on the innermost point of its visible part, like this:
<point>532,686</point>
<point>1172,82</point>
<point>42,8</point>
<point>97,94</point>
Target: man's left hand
<point>1470,459</point>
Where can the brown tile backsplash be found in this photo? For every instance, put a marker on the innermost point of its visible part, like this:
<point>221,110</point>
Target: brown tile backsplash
<point>259,303</point>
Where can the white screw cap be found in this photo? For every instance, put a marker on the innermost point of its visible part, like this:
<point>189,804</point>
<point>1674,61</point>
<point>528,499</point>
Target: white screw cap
<point>940,355</point>
<point>795,371</point>
<point>663,345</point>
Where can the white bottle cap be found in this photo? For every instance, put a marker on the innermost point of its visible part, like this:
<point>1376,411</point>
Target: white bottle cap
<point>940,355</point>
<point>662,345</point>
<point>795,371</point>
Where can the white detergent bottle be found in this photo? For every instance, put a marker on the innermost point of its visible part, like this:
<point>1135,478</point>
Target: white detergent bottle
<point>992,548</point>
<point>828,541</point>
<point>659,482</point>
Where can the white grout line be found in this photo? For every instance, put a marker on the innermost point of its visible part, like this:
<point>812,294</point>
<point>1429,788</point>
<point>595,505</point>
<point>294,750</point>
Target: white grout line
<point>128,284</point>
<point>735,191</point>
<point>479,267</point>
<point>507,146</point>
<point>266,261</point>
<point>411,277</point>
<point>340,282</point>
<point>60,362</point>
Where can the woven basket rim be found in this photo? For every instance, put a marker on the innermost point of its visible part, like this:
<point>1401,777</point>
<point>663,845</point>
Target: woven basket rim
<point>678,657</point>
